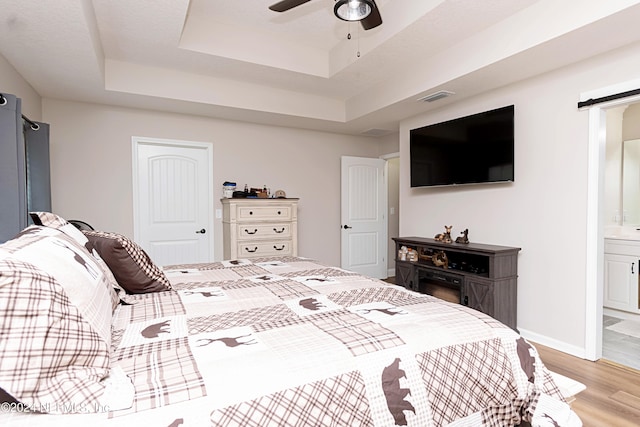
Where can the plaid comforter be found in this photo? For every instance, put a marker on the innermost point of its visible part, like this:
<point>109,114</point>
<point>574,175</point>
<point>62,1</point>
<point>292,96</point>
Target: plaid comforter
<point>291,342</point>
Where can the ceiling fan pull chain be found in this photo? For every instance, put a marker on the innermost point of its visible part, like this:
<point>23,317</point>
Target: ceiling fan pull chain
<point>357,39</point>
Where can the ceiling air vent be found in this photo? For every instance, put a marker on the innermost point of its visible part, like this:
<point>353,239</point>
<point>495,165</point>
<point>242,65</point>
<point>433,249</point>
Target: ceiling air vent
<point>376,132</point>
<point>436,95</point>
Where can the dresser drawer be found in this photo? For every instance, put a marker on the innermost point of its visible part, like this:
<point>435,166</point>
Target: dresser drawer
<point>264,213</point>
<point>264,231</point>
<point>260,249</point>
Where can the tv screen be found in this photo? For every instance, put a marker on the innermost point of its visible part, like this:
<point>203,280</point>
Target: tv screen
<point>468,150</point>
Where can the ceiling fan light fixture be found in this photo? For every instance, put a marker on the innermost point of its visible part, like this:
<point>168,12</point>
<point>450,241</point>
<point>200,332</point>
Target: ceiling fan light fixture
<point>352,10</point>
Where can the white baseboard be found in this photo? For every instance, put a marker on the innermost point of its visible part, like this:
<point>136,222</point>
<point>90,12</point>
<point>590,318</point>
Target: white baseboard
<point>391,272</point>
<point>553,343</point>
<point>620,314</point>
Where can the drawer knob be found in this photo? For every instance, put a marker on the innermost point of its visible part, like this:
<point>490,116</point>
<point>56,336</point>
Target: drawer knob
<point>255,230</point>
<point>278,249</point>
<point>279,213</point>
<point>255,249</point>
<point>279,231</point>
<point>250,212</point>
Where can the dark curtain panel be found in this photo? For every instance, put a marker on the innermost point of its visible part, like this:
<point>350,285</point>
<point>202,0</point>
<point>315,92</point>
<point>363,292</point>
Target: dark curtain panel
<point>36,139</point>
<point>13,195</point>
<point>25,183</point>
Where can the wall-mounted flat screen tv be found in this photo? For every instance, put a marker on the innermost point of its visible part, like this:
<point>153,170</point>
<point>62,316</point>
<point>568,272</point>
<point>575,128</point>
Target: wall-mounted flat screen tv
<point>468,150</point>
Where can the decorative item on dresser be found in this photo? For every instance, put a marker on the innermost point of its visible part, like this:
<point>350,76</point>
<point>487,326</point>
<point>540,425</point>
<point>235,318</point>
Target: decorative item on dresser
<point>258,227</point>
<point>483,277</point>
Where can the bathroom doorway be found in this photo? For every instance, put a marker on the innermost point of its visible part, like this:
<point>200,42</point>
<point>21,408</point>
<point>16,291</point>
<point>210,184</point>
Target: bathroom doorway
<point>597,102</point>
<point>621,219</point>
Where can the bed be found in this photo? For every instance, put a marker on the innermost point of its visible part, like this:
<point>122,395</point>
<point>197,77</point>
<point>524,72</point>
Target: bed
<point>93,333</point>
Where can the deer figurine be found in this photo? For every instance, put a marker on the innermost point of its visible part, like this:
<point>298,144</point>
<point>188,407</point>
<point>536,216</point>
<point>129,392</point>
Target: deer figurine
<point>464,238</point>
<point>446,236</point>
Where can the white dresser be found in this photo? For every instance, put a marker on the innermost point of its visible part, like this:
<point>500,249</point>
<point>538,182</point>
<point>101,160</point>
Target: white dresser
<point>255,228</point>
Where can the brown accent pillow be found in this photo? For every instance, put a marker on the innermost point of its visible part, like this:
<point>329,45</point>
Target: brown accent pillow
<point>133,269</point>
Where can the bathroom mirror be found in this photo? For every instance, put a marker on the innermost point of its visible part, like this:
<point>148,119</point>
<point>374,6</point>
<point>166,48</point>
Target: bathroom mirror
<point>631,183</point>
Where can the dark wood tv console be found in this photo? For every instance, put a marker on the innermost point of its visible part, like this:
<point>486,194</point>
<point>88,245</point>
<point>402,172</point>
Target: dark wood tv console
<point>483,277</point>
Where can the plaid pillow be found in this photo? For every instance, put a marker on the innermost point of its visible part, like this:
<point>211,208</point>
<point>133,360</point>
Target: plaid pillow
<point>54,333</point>
<point>72,267</point>
<point>49,219</point>
<point>130,264</point>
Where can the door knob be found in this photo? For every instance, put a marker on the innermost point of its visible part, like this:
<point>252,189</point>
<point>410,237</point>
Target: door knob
<point>346,227</point>
<point>201,231</point>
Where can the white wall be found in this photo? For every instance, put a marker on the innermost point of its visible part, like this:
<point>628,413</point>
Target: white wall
<point>91,166</point>
<point>631,123</point>
<point>544,210</point>
<point>12,82</point>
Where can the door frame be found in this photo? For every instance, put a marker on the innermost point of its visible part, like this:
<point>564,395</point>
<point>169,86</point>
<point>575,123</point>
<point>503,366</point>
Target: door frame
<point>594,295</point>
<point>391,257</point>
<point>136,141</point>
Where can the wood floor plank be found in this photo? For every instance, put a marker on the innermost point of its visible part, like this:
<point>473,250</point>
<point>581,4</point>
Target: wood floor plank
<point>627,399</point>
<point>606,400</point>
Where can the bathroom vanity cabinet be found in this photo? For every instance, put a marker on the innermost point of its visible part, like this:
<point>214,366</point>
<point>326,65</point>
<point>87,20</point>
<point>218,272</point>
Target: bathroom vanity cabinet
<point>621,264</point>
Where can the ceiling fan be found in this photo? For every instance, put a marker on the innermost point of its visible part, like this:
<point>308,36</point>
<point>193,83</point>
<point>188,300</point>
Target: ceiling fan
<point>364,11</point>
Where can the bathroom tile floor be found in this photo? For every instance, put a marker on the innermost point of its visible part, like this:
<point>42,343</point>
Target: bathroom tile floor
<point>620,348</point>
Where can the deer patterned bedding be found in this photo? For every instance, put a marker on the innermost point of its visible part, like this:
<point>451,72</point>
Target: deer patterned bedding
<point>292,342</point>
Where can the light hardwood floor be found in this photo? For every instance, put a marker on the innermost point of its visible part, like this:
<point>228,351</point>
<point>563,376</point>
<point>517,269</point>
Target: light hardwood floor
<point>612,397</point>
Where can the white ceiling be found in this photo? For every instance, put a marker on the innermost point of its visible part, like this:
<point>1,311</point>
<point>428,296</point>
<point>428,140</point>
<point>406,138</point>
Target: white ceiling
<point>238,60</point>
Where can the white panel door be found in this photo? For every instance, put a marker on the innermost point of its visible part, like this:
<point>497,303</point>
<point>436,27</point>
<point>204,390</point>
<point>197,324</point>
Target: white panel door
<point>363,216</point>
<point>173,200</point>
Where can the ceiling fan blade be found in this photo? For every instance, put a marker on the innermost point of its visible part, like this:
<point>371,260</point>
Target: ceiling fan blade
<point>373,20</point>
<point>285,5</point>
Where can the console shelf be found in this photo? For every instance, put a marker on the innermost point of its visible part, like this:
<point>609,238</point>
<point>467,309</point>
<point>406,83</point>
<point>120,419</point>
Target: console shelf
<point>481,276</point>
